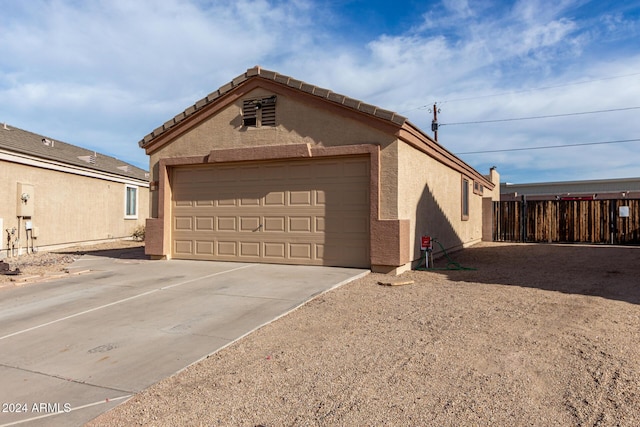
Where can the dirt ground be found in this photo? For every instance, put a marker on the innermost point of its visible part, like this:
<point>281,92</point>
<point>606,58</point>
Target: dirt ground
<point>544,335</point>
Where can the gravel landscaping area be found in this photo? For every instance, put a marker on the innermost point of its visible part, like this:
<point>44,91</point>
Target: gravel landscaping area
<point>543,335</point>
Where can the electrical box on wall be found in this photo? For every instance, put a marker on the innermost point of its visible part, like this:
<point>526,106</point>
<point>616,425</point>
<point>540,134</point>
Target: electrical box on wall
<point>25,200</point>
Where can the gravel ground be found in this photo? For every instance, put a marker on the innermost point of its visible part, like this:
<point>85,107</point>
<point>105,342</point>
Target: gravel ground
<point>542,335</point>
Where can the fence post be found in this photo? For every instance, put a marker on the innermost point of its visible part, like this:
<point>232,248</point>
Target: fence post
<point>523,219</point>
<point>612,220</point>
<point>487,219</point>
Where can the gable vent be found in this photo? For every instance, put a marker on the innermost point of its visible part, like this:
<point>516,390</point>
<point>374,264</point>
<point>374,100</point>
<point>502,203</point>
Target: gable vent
<point>268,111</point>
<point>249,113</point>
<point>259,112</point>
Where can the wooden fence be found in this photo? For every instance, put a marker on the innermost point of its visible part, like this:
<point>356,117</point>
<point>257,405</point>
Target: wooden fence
<point>585,221</point>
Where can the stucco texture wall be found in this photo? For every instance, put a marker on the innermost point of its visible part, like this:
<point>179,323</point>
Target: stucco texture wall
<point>298,122</point>
<point>429,195</point>
<point>68,208</point>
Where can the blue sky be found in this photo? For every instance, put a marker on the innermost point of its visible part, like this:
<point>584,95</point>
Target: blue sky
<point>103,73</point>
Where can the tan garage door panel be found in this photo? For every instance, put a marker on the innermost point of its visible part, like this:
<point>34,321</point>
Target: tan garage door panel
<point>313,212</point>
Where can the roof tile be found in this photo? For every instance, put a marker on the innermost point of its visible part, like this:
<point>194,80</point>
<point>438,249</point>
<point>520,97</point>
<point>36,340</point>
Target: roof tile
<point>200,103</point>
<point>295,83</point>
<point>213,96</point>
<point>336,97</point>
<point>271,75</point>
<point>397,118</point>
<point>238,80</point>
<point>321,92</point>
<point>384,114</point>
<point>282,79</point>
<point>253,71</point>
<point>190,110</point>
<point>306,87</point>
<point>226,88</point>
<point>168,124</point>
<point>178,118</point>
<point>351,102</point>
<point>367,108</point>
<point>157,131</point>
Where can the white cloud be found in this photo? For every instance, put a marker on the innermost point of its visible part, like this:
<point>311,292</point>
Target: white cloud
<point>458,8</point>
<point>109,72</point>
<point>76,63</point>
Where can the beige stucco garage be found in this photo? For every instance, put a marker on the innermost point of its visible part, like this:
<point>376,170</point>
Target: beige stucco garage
<point>306,211</point>
<point>271,169</point>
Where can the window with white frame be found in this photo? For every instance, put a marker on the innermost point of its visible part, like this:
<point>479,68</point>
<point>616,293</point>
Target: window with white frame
<point>131,202</point>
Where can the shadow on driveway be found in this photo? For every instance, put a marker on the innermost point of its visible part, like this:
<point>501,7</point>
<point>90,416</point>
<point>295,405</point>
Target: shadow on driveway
<point>136,252</point>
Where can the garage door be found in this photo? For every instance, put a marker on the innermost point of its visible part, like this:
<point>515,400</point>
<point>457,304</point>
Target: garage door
<point>313,212</point>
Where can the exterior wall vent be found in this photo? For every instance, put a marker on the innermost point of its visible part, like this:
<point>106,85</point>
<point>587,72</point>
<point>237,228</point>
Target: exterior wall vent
<point>89,159</point>
<point>249,113</point>
<point>268,111</point>
<point>259,112</point>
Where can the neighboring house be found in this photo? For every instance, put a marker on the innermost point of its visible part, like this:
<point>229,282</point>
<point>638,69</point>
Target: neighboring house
<point>271,169</point>
<point>621,188</point>
<point>53,194</point>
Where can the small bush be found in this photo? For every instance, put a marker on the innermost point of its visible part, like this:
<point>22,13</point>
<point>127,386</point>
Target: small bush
<point>138,233</point>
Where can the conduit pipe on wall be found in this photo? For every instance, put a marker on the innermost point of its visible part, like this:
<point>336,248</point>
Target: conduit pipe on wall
<point>18,243</point>
<point>29,236</point>
<point>11,241</point>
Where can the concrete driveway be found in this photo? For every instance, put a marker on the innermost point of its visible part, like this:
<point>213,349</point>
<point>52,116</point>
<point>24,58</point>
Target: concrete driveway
<point>72,349</point>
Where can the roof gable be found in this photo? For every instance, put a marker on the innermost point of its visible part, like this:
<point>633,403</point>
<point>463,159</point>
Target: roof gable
<point>386,120</point>
<point>284,81</point>
<point>16,140</point>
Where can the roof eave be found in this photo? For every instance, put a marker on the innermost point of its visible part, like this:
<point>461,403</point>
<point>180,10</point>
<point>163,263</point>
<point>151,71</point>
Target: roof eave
<point>415,137</point>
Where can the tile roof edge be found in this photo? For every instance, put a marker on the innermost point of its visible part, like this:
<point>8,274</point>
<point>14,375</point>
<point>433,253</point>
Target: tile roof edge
<point>259,72</point>
<point>329,95</point>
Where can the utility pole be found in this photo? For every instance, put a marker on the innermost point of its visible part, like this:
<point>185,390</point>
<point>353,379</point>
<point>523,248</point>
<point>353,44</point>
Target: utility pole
<point>434,122</point>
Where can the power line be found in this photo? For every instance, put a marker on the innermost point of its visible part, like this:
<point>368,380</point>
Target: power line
<point>550,146</point>
<point>539,117</point>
